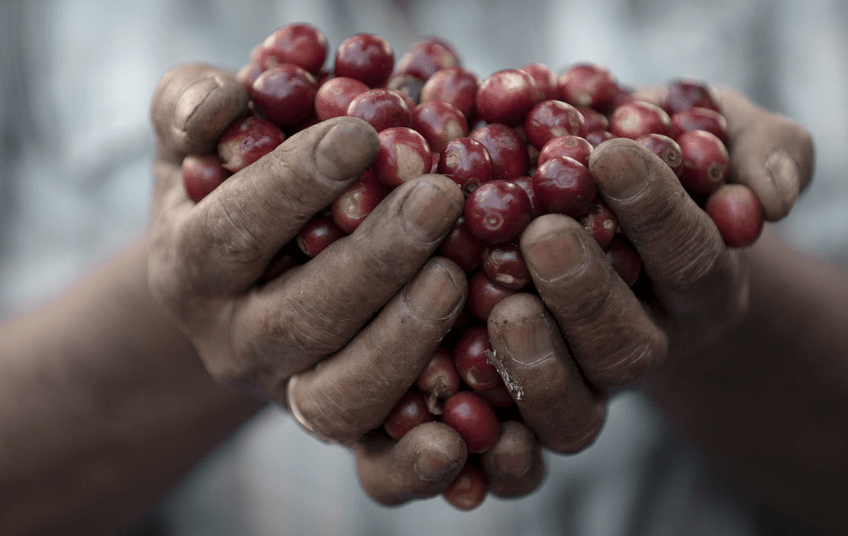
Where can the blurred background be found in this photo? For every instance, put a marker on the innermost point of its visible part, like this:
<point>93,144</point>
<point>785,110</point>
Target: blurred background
<point>76,148</point>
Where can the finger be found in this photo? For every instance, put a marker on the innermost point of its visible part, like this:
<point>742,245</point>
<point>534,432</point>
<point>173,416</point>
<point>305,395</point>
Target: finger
<point>692,272</point>
<point>321,307</point>
<point>514,465</point>
<point>222,245</point>
<point>422,464</point>
<point>554,400</point>
<point>769,153</point>
<point>192,105</point>
<point>354,390</point>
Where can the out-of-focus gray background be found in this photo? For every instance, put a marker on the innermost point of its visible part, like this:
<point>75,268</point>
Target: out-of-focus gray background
<point>76,151</point>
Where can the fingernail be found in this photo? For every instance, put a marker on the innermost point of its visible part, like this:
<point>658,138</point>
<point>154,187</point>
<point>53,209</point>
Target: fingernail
<point>556,255</point>
<point>528,343</point>
<point>433,465</point>
<point>428,211</point>
<point>345,150</point>
<point>191,98</point>
<point>622,171</point>
<point>785,177</point>
<point>433,294</point>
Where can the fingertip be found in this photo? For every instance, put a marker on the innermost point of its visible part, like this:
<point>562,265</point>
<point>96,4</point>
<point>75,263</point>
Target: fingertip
<point>347,147</point>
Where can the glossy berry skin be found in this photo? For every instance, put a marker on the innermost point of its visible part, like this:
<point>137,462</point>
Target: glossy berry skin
<point>570,146</point>
<point>565,186</point>
<point>248,74</point>
<point>597,137</point>
<point>366,57</point>
<point>439,378</point>
<point>439,122</point>
<point>471,359</point>
<point>666,148</point>
<point>301,44</point>
<point>426,57</point>
<point>506,148</point>
<point>706,162</point>
<point>484,294</point>
<point>381,108</point>
<point>526,184</point>
<point>737,213</point>
<point>318,233</point>
<point>468,490</point>
<point>699,119</point>
<point>202,174</point>
<point>462,247</point>
<point>357,202</point>
<point>600,221</point>
<point>246,141</point>
<point>624,259</point>
<point>467,162</point>
<point>552,119</point>
<point>588,85</point>
<point>456,86</point>
<point>506,96</point>
<point>403,154</point>
<point>497,211</point>
<point>410,411</point>
<point>504,265</point>
<point>595,120</point>
<point>474,419</point>
<point>683,94</point>
<point>639,118</point>
<point>546,81</point>
<point>406,84</point>
<point>497,397</point>
<point>285,94</point>
<point>334,96</point>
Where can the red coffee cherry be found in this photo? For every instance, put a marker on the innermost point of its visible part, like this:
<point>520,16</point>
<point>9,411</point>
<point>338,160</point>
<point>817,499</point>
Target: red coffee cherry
<point>588,85</point>
<point>683,94</point>
<point>666,148</point>
<point>318,233</point>
<point>302,44</point>
<point>508,151</point>
<point>439,379</point>
<point>439,122</point>
<point>426,57</point>
<point>699,119</point>
<point>467,162</point>
<point>484,294</point>
<point>456,86</point>
<point>474,419</point>
<point>546,81</point>
<point>468,490</point>
<point>566,146</point>
<point>564,185</point>
<point>497,211</point>
<point>381,108</point>
<point>471,359</point>
<point>506,96</point>
<point>737,213</point>
<point>366,57</point>
<point>357,202</point>
<point>639,118</point>
<point>285,94</point>
<point>553,119</point>
<point>410,411</point>
<point>624,259</point>
<point>600,221</point>
<point>334,96</point>
<point>202,174</point>
<point>246,141</point>
<point>462,247</point>
<point>504,265</point>
<point>706,162</point>
<point>403,154</point>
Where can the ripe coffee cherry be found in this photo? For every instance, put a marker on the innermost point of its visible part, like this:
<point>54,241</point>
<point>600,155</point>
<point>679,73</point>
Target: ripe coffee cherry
<point>301,44</point>
<point>597,137</point>
<point>497,397</point>
<point>246,141</point>
<point>639,118</point>
<point>248,74</point>
<point>508,151</point>
<point>595,120</point>
<point>506,96</point>
<point>553,119</point>
<point>439,122</point>
<point>462,247</point>
<point>439,379</point>
<point>474,419</point>
<point>706,162</point>
<point>699,119</point>
<point>624,259</point>
<point>588,85</point>
<point>526,184</point>
<point>318,233</point>
<point>334,96</point>
<point>456,86</point>
<point>357,202</point>
<point>737,213</point>
<point>666,148</point>
<point>202,174</point>
<point>564,185</point>
<point>504,265</point>
<point>683,94</point>
<point>546,81</point>
<point>484,294</point>
<point>285,94</point>
<point>410,411</point>
<point>600,221</point>
<point>426,57</point>
<point>403,154</point>
<point>471,359</point>
<point>467,162</point>
<point>381,108</point>
<point>497,211</point>
<point>366,57</point>
<point>571,146</point>
<point>468,490</point>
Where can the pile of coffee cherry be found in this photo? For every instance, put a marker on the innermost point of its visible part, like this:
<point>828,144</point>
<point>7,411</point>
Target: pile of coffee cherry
<point>518,144</point>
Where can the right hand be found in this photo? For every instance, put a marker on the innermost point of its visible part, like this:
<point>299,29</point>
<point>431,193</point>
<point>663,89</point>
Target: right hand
<point>337,340</point>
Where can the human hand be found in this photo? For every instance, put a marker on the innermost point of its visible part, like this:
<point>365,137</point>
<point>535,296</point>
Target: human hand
<point>337,340</point>
<point>590,334</point>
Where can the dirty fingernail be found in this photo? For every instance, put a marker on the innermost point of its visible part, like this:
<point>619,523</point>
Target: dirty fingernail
<point>785,178</point>
<point>434,293</point>
<point>529,342</point>
<point>433,465</point>
<point>191,99</point>
<point>621,171</point>
<point>556,255</point>
<point>346,150</point>
<point>429,211</point>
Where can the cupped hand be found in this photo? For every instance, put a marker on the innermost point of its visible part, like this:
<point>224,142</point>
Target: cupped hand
<point>337,340</point>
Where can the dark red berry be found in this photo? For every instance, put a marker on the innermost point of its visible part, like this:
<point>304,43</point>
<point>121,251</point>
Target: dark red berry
<point>706,162</point>
<point>202,174</point>
<point>624,259</point>
<point>439,379</point>
<point>471,359</point>
<point>301,44</point>
<point>381,108</point>
<point>684,94</point>
<point>474,419</point>
<point>357,202</point>
<point>467,162</point>
<point>600,221</point>
<point>546,81</point>
<point>564,185</point>
<point>285,94</point>
<point>497,211</point>
<point>318,233</point>
<point>506,96</point>
<point>571,146</point>
<point>246,141</point>
<point>699,119</point>
<point>639,118</point>
<point>666,148</point>
<point>334,96</point>
<point>462,247</point>
<point>410,411</point>
<point>439,122</point>
<point>553,119</point>
<point>366,57</point>
<point>468,490</point>
<point>737,213</point>
<point>426,57</point>
<point>504,265</point>
<point>456,86</point>
<point>484,294</point>
<point>508,151</point>
<point>403,154</point>
<point>588,85</point>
